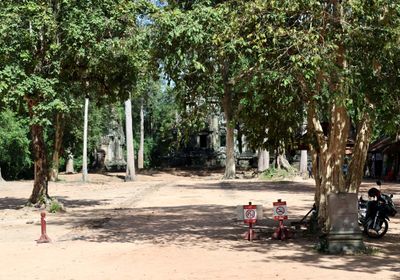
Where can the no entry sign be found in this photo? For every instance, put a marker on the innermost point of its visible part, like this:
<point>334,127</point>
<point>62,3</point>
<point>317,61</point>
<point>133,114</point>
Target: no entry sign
<point>250,214</point>
<point>280,210</point>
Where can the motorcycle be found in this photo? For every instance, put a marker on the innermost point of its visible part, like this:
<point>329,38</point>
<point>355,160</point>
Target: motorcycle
<point>373,216</point>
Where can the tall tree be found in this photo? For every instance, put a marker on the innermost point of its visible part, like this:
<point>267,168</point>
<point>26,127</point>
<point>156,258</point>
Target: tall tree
<point>85,141</point>
<point>29,69</point>
<point>320,54</point>
<point>148,70</point>
<point>141,141</point>
<point>49,43</point>
<point>197,50</point>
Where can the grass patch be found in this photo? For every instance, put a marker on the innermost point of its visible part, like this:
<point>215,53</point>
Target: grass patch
<point>322,248</point>
<point>273,174</point>
<point>371,251</point>
<point>56,206</point>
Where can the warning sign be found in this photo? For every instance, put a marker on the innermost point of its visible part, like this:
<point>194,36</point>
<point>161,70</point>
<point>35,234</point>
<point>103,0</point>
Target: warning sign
<point>250,214</point>
<point>280,210</point>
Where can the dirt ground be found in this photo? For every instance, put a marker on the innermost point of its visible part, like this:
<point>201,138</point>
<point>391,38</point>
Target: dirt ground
<point>174,225</point>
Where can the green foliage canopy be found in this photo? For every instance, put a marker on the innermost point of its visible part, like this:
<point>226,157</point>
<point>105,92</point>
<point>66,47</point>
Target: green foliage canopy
<point>82,46</point>
<point>14,145</point>
<point>52,51</point>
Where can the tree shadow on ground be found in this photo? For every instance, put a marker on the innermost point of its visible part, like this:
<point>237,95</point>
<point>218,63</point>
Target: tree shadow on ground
<point>75,203</point>
<point>179,172</point>
<point>113,175</point>
<point>214,226</point>
<point>19,203</point>
<point>12,203</point>
<point>190,172</point>
<point>382,257</point>
<point>157,224</point>
<point>277,186</point>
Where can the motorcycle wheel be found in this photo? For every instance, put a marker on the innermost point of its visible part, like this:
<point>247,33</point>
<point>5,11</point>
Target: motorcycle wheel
<point>377,232</point>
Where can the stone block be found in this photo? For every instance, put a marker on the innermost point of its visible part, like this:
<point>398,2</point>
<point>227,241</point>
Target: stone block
<point>343,213</point>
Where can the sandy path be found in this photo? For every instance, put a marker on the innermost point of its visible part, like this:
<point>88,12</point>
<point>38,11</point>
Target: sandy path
<point>172,227</point>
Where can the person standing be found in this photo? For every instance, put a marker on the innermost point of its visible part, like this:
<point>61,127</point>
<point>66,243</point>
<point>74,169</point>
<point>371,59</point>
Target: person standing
<point>309,169</point>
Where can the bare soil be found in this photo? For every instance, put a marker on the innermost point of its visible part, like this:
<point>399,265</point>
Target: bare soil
<point>175,225</point>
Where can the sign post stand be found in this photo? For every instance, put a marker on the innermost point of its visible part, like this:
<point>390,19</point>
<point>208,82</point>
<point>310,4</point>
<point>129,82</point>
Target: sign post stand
<point>250,218</point>
<point>280,214</point>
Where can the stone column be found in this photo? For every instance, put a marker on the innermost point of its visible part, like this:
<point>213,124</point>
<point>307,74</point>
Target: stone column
<point>215,132</point>
<point>303,162</point>
<point>345,234</point>
<point>263,160</point>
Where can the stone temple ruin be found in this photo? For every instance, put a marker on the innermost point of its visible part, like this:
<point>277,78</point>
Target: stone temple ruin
<point>207,148</point>
<point>109,155</point>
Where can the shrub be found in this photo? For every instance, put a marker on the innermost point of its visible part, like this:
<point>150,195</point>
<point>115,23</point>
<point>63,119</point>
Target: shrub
<point>56,206</point>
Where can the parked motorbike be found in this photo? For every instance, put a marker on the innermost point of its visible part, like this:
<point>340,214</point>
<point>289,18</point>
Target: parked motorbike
<point>374,215</point>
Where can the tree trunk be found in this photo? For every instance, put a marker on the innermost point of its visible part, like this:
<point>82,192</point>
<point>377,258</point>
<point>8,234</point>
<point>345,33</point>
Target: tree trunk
<point>130,162</point>
<point>1,177</point>
<point>40,191</point>
<point>316,174</point>
<point>57,147</point>
<point>277,162</point>
<point>214,126</point>
<point>360,151</point>
<point>230,167</point>
<point>239,139</point>
<point>339,133</point>
<point>329,157</point>
<point>85,136</point>
<point>263,160</point>
<point>283,163</point>
<point>141,145</point>
<point>227,104</point>
<point>319,148</point>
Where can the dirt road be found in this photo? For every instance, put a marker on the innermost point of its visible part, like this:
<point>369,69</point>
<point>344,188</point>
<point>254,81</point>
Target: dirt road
<point>172,226</point>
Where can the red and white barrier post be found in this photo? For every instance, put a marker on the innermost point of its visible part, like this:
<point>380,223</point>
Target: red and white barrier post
<point>44,238</point>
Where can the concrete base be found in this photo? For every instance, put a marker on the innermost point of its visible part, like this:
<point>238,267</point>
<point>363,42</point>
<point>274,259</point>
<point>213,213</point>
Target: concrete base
<point>336,243</point>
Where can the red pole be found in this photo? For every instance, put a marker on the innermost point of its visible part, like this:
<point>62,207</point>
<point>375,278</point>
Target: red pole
<point>250,231</point>
<point>44,238</point>
<point>282,229</point>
